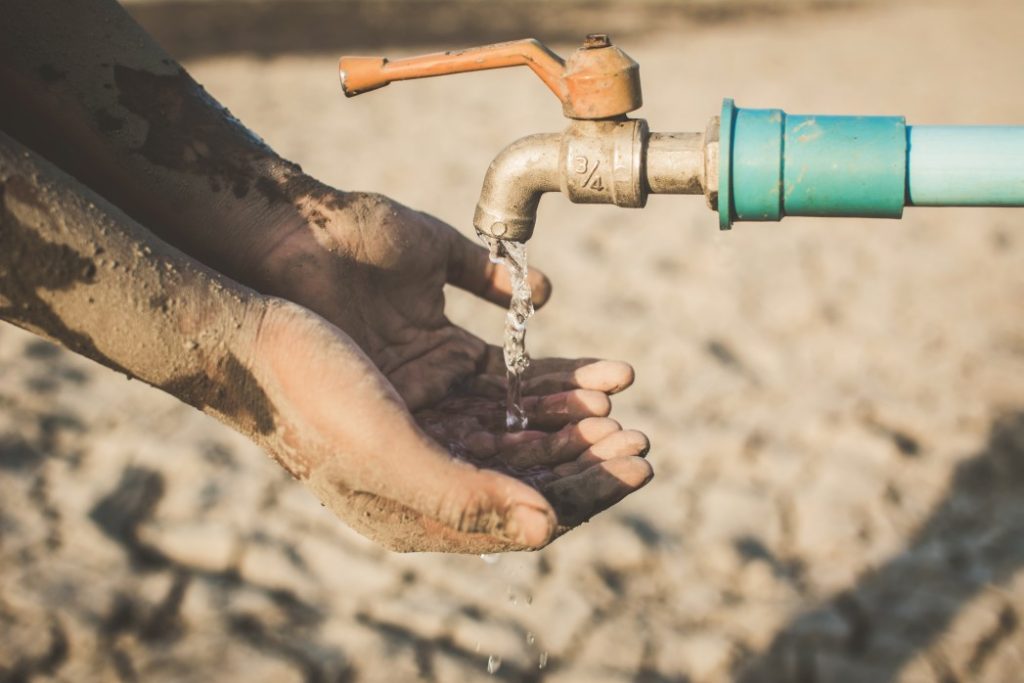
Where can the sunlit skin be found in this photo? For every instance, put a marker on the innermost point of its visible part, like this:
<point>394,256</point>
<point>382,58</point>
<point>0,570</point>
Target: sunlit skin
<point>393,415</point>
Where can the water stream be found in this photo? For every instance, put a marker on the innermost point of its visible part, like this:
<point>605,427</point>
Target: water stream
<point>513,256</point>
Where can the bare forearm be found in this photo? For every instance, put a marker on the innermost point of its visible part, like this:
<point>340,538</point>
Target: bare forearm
<point>85,86</point>
<point>80,272</point>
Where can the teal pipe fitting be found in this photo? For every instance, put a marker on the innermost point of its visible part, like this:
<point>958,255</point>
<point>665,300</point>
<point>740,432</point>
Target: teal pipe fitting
<point>772,165</point>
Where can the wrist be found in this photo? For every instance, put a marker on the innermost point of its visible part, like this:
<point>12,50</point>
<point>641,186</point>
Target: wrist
<point>307,230</point>
<point>253,218</point>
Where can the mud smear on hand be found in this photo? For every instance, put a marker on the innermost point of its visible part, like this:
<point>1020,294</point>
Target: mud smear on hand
<point>190,132</point>
<point>30,264</point>
<point>236,393</point>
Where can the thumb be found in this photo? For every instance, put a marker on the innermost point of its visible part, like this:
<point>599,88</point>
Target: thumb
<point>470,268</point>
<point>466,509</point>
<point>485,503</point>
<point>418,498</point>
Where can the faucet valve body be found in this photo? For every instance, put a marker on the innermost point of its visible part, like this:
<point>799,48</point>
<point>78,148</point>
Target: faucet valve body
<point>602,162</point>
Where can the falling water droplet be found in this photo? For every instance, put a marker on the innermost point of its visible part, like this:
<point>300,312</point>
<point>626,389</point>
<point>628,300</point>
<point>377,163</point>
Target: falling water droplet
<point>494,247</point>
<point>530,638</point>
<point>543,661</point>
<point>493,664</point>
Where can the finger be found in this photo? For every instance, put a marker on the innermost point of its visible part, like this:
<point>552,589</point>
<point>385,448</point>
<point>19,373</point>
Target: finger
<point>579,497</point>
<point>603,375</point>
<point>543,412</point>
<point>565,444</point>
<point>479,445</point>
<point>470,268</point>
<point>514,439</point>
<point>494,363</point>
<point>455,508</point>
<point>556,410</point>
<point>543,366</point>
<point>614,374</point>
<point>617,445</point>
<point>491,504</point>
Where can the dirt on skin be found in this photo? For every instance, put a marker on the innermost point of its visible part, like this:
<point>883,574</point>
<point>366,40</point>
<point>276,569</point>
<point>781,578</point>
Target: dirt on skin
<point>72,265</point>
<point>836,409</point>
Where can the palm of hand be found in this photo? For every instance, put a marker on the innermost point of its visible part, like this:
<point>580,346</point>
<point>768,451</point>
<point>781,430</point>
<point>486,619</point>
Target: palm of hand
<point>380,278</point>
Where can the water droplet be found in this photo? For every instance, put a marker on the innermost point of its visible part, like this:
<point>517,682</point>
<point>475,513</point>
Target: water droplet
<point>543,660</point>
<point>490,559</point>
<point>530,638</point>
<point>493,664</point>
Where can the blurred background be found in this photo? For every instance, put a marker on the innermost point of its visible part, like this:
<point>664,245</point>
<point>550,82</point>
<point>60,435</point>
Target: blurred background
<point>836,406</point>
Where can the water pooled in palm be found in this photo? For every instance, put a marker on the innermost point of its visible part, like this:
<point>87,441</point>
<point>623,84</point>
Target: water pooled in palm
<point>513,256</point>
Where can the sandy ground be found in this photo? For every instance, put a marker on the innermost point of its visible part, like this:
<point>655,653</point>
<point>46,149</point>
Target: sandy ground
<point>836,407</point>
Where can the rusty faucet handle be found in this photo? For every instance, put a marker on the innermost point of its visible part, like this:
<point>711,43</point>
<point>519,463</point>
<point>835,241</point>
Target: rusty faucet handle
<point>598,81</point>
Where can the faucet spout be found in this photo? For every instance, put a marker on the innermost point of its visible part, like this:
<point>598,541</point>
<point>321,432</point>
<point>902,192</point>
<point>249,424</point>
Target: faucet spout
<point>513,186</point>
<point>613,161</point>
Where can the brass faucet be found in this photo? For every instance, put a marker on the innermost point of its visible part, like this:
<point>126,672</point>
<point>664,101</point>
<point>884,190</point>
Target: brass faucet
<point>602,157</point>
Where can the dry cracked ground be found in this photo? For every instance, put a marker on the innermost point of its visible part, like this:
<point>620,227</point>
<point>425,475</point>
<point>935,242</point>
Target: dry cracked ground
<point>836,407</point>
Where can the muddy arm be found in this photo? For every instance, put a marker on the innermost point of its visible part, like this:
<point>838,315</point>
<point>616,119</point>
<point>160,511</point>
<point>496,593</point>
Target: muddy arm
<point>80,272</point>
<point>85,86</point>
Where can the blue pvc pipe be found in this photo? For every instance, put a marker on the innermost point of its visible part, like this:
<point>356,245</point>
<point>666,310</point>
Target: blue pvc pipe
<point>965,166</point>
<point>773,164</point>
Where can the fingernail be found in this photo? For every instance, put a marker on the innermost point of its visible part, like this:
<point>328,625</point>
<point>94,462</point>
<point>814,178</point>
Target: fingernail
<point>528,526</point>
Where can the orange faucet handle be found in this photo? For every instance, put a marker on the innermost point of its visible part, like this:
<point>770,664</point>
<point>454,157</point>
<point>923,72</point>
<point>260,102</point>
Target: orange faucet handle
<point>598,81</point>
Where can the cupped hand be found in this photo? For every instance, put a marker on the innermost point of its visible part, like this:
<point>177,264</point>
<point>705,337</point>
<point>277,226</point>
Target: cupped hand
<point>395,416</point>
